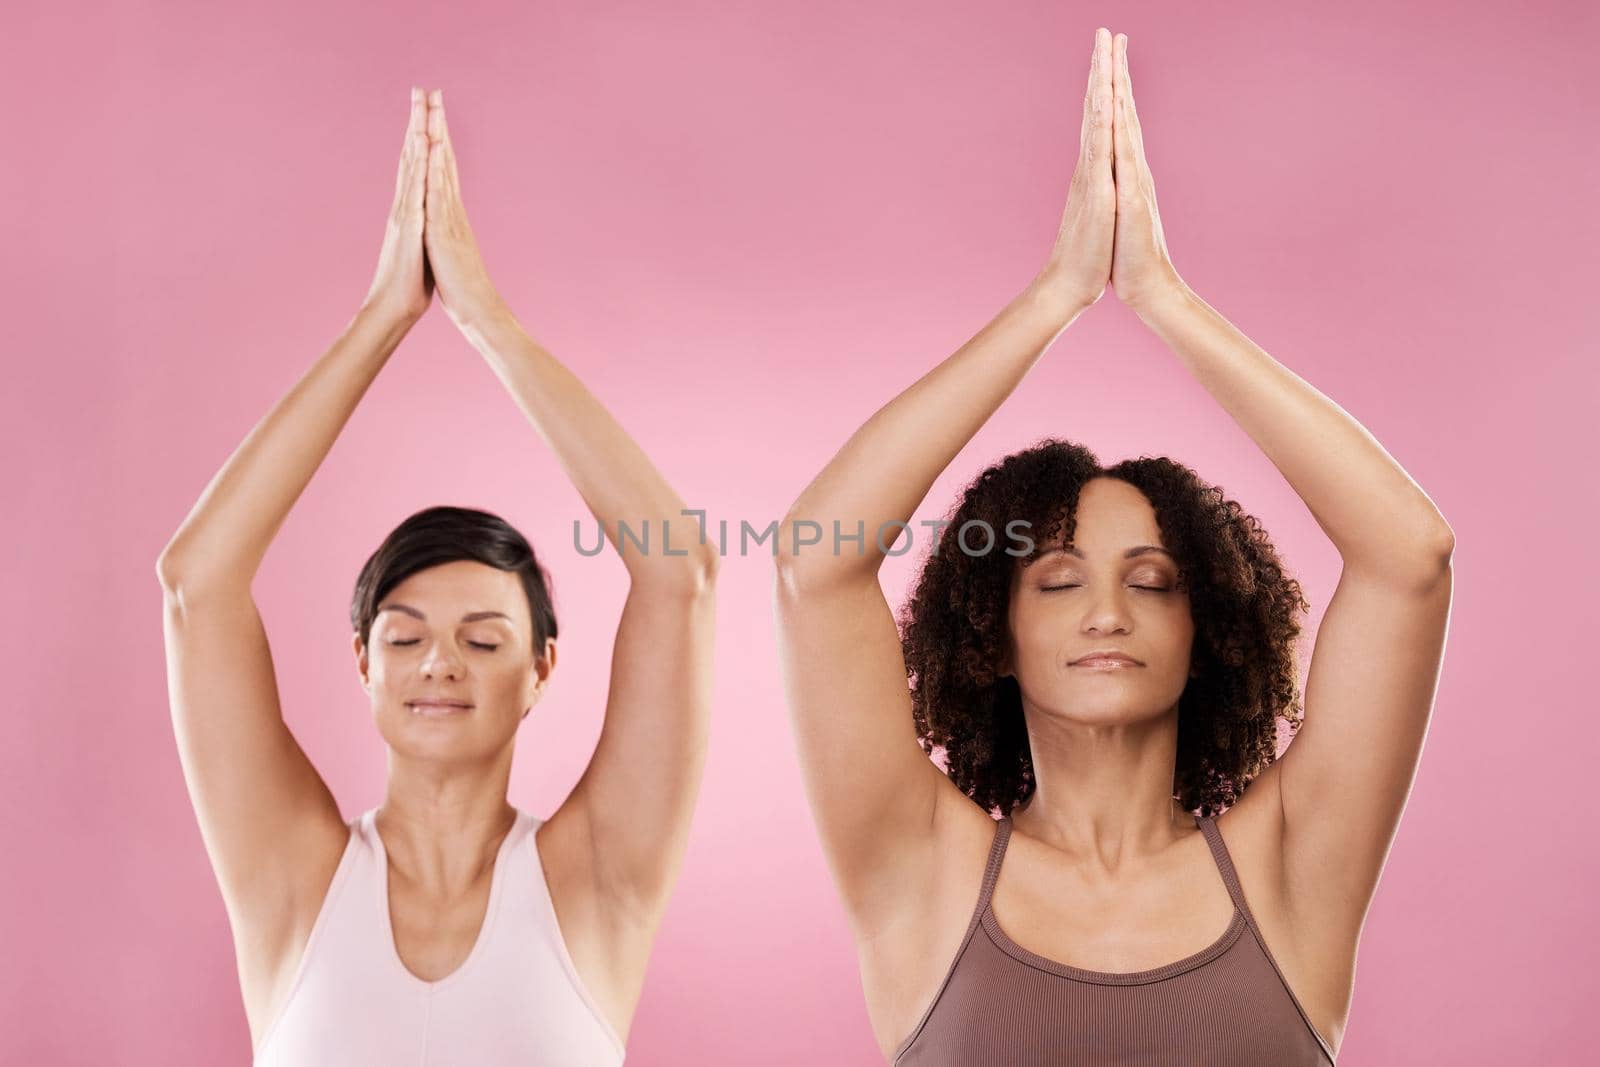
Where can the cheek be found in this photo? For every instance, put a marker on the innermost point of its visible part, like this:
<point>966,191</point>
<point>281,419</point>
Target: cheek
<point>503,681</point>
<point>379,667</point>
<point>1038,641</point>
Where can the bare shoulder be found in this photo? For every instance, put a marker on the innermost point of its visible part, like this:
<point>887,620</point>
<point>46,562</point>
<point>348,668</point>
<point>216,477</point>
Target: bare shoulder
<point>1315,953</point>
<point>906,957</point>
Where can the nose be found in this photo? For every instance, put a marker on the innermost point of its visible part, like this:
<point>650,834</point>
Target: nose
<point>1107,611</point>
<point>441,662</point>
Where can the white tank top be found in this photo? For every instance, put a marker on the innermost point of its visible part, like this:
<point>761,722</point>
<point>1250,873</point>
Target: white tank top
<point>516,999</point>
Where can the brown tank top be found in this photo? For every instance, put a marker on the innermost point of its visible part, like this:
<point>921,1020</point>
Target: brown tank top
<point>1227,1004</point>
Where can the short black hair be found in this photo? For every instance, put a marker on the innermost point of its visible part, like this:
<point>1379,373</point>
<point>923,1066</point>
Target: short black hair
<point>443,535</point>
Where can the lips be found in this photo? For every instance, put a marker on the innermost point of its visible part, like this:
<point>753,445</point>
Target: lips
<point>1105,659</point>
<point>436,709</point>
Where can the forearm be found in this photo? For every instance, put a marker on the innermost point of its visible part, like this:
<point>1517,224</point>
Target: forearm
<point>1376,516</point>
<point>225,536</point>
<point>886,468</point>
<point>611,472</point>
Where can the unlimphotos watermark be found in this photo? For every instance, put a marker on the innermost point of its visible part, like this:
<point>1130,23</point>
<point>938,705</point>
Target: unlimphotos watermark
<point>975,537</point>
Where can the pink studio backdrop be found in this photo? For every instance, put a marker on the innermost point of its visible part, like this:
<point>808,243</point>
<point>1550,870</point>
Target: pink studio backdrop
<point>746,227</point>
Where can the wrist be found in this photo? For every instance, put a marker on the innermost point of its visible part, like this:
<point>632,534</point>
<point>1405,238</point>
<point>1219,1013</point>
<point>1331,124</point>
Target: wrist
<point>481,321</point>
<point>1161,300</point>
<point>385,319</point>
<point>388,313</point>
<point>1055,301</point>
<point>472,299</point>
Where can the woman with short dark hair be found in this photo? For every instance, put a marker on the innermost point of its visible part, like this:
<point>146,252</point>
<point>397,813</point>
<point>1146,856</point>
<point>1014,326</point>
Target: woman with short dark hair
<point>444,925</point>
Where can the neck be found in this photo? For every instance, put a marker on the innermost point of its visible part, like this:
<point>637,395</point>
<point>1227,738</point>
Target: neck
<point>442,824</point>
<point>1103,793</point>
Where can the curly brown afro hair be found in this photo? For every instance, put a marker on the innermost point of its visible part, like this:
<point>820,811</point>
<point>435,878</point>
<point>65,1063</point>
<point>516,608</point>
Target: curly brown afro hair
<point>1245,607</point>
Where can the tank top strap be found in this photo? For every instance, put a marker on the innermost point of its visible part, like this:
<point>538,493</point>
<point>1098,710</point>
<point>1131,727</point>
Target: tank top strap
<point>1219,852</point>
<point>997,854</point>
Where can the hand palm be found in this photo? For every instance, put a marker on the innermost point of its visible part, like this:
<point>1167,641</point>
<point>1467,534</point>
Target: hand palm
<point>452,250</point>
<point>1141,268</point>
<point>1110,231</point>
<point>403,284</point>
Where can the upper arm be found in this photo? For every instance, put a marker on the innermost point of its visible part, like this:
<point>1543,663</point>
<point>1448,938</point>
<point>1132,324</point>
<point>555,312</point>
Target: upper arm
<point>1343,782</point>
<point>624,828</point>
<point>611,851</point>
<point>874,793</point>
<point>270,826</point>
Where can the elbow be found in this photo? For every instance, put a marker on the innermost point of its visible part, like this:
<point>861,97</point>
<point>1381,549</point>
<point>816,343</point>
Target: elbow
<point>168,572</point>
<point>704,571</point>
<point>185,580</point>
<point>1447,540</point>
<point>694,575</point>
<point>1412,556</point>
<point>1441,544</point>
<point>175,567</point>
<point>176,588</point>
<point>1446,550</point>
<point>804,562</point>
<point>795,564</point>
<point>1426,563</point>
<point>704,564</point>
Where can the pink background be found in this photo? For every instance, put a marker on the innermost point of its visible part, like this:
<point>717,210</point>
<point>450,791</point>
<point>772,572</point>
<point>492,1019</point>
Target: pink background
<point>746,227</point>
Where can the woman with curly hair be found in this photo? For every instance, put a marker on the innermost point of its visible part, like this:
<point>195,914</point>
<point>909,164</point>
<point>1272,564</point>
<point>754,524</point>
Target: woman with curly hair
<point>1101,656</point>
<point>445,925</point>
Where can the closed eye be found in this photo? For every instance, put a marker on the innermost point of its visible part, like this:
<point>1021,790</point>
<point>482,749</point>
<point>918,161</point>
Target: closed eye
<point>474,644</point>
<point>1146,588</point>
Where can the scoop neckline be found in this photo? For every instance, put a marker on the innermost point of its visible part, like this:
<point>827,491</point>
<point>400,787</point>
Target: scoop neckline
<point>490,908</point>
<point>1236,926</point>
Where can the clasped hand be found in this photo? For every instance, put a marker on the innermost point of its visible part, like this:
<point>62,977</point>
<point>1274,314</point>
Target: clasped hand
<point>428,243</point>
<point>1110,231</point>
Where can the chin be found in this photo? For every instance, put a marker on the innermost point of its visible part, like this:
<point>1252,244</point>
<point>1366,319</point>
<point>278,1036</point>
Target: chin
<point>1111,708</point>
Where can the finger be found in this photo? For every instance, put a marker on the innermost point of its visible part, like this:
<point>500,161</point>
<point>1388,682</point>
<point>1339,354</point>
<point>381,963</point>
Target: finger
<point>416,155</point>
<point>435,116</point>
<point>435,167</point>
<point>448,149</point>
<point>1135,130</point>
<point>441,156</point>
<point>1128,113</point>
<point>1095,137</point>
<point>409,159</point>
<point>418,119</point>
<point>1126,151</point>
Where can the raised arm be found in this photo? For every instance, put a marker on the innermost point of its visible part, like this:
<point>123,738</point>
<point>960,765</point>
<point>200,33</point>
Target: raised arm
<point>270,826</point>
<point>1338,792</point>
<point>614,846</point>
<point>872,790</point>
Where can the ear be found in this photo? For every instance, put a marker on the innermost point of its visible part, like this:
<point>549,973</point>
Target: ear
<point>361,660</point>
<point>539,677</point>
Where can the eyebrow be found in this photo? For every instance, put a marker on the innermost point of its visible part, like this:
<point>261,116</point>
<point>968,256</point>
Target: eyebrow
<point>1136,550</point>
<point>471,616</point>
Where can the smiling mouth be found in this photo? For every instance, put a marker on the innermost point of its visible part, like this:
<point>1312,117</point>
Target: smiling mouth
<point>439,711</point>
